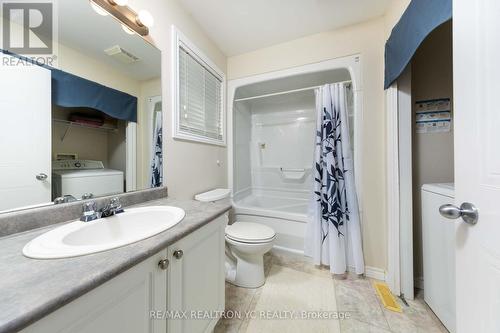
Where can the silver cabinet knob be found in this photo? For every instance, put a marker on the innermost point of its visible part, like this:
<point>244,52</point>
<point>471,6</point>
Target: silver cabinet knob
<point>41,176</point>
<point>163,264</point>
<point>467,211</point>
<point>178,254</point>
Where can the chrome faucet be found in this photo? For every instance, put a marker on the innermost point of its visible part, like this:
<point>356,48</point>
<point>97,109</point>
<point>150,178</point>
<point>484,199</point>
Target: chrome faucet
<point>112,208</point>
<point>90,212</point>
<point>64,199</point>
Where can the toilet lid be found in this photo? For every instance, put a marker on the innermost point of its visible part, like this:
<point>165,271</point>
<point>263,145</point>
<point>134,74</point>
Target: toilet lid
<point>249,232</point>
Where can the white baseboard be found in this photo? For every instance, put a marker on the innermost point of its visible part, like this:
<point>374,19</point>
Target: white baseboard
<point>372,272</point>
<point>375,273</point>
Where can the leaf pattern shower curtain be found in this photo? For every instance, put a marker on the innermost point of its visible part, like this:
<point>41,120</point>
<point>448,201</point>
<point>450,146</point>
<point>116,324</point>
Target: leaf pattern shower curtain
<point>333,232</point>
<point>157,148</point>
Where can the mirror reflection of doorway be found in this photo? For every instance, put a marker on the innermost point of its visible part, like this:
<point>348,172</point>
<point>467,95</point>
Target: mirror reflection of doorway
<point>155,116</point>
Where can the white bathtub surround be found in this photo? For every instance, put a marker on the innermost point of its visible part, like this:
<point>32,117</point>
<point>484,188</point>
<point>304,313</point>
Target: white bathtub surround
<point>271,143</point>
<point>284,211</point>
<point>333,235</point>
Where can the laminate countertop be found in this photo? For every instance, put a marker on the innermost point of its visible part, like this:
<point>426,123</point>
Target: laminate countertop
<point>30,289</point>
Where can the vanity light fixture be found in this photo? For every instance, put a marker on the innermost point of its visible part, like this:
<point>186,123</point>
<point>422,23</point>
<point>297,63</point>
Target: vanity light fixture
<point>136,22</point>
<point>98,9</point>
<point>127,29</point>
<point>118,2</point>
<point>145,18</point>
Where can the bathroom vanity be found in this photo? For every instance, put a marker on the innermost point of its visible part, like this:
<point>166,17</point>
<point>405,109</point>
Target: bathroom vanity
<point>159,294</point>
<point>171,282</point>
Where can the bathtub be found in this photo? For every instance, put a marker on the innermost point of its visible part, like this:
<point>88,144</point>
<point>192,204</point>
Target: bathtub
<point>285,212</point>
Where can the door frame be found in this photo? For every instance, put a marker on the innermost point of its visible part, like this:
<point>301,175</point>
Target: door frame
<point>400,187</point>
<point>131,156</point>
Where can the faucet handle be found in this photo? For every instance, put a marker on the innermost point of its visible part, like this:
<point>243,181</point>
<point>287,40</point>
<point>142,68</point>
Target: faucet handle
<point>115,203</point>
<point>89,211</point>
<point>90,206</point>
<point>114,200</point>
<point>114,206</point>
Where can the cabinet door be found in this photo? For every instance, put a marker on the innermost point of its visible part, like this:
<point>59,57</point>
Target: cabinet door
<point>196,279</point>
<point>123,304</point>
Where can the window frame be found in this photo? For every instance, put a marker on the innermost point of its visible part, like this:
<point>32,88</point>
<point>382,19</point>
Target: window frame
<point>180,40</point>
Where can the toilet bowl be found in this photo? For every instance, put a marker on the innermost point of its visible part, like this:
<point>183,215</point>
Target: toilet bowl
<point>246,244</point>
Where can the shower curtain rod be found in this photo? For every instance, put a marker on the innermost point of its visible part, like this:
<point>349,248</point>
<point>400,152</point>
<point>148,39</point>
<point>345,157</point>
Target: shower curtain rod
<point>283,92</point>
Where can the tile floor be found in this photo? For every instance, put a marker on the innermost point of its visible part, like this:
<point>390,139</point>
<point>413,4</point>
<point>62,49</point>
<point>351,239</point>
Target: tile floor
<point>354,296</point>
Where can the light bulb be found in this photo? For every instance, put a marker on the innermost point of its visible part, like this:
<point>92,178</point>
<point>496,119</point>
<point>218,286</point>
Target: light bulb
<point>145,18</point>
<point>127,29</point>
<point>119,2</point>
<point>98,9</point>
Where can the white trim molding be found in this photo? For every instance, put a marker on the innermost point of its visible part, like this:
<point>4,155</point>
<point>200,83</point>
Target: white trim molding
<point>180,40</point>
<point>393,264</point>
<point>131,156</point>
<point>399,187</point>
<point>372,273</point>
<point>405,184</point>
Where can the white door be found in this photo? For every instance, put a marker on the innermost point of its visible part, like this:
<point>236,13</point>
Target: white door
<point>476,64</point>
<point>25,136</point>
<point>196,279</point>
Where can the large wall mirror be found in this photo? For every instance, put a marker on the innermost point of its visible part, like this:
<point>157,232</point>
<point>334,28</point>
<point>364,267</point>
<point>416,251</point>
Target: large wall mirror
<point>89,127</point>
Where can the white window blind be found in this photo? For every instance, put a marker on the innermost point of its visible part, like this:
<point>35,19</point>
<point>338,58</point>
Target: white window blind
<point>200,98</point>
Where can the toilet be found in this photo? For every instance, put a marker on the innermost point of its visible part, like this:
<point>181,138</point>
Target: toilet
<point>246,244</point>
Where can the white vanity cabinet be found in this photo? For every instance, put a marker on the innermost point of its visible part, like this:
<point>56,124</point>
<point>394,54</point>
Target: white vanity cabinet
<point>119,305</point>
<point>196,279</point>
<point>189,281</point>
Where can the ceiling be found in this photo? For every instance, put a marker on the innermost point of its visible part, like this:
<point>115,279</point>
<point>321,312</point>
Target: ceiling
<point>239,26</point>
<point>83,30</point>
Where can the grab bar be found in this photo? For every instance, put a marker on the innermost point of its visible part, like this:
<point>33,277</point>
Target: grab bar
<point>292,170</point>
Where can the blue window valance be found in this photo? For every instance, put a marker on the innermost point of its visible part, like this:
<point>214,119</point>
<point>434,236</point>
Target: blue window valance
<point>418,21</point>
<point>69,90</point>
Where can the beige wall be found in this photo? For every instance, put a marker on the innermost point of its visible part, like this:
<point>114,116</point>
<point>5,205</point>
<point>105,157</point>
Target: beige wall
<point>76,63</point>
<point>368,40</point>
<point>432,78</point>
<point>189,167</point>
<point>393,14</point>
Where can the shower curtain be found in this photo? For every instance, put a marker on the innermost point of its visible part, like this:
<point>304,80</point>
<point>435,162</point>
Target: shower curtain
<point>157,151</point>
<point>333,232</point>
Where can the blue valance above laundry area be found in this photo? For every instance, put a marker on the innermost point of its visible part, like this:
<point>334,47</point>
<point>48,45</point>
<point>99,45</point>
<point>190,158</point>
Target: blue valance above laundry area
<point>418,21</point>
<point>69,90</point>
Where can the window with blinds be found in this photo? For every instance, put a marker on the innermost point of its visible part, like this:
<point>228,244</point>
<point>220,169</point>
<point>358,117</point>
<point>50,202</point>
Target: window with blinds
<point>200,114</point>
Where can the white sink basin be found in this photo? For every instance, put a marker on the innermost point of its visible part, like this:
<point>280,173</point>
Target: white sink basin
<point>81,238</point>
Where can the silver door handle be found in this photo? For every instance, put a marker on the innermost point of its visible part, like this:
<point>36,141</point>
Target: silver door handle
<point>41,176</point>
<point>467,211</point>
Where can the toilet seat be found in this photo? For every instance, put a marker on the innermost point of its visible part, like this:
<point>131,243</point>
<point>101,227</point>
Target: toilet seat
<point>249,232</point>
